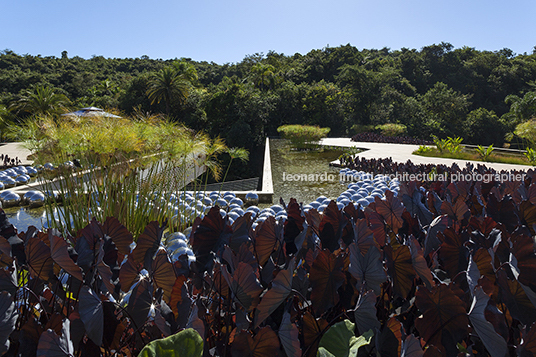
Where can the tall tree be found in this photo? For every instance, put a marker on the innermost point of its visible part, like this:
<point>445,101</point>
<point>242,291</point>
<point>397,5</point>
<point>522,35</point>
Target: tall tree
<point>42,100</point>
<point>168,85</point>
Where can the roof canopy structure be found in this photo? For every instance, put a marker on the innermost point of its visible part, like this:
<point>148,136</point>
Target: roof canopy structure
<point>91,112</point>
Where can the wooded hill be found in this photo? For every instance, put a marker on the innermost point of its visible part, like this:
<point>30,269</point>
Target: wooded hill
<point>437,90</point>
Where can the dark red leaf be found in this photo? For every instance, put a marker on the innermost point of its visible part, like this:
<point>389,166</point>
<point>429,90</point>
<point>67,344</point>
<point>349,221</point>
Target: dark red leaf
<point>147,244</point>
<point>457,211</point>
<point>139,303</point>
<point>129,273</point>
<point>494,343</point>
<point>444,320</point>
<point>276,295</point>
<point>431,242</point>
<point>527,214</point>
<point>52,345</point>
<point>38,258</point>
<point>120,235</point>
<point>289,337</point>
<point>365,313</point>
<point>504,211</point>
<point>264,344</point>
<point>331,227</point>
<point>91,314</point>
<point>207,236</point>
<point>163,273</point>
<point>268,237</point>
<point>515,298</point>
<point>400,268</point>
<point>363,236</point>
<point>180,301</point>
<point>312,332</point>
<point>419,263</point>
<point>523,251</point>
<point>326,277</point>
<point>377,226</point>
<point>367,269</point>
<point>453,253</point>
<point>244,286</point>
<point>59,253</point>
<point>391,210</point>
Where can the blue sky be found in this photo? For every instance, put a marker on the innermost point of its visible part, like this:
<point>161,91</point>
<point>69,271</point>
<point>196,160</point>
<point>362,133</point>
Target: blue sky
<point>227,31</point>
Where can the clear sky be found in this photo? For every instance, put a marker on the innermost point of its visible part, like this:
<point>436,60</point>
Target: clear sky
<point>227,31</point>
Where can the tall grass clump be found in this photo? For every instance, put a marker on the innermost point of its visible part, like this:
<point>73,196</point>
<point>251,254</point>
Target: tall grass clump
<point>303,137</point>
<point>132,169</point>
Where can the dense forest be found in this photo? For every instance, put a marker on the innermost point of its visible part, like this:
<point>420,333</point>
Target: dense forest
<point>437,90</point>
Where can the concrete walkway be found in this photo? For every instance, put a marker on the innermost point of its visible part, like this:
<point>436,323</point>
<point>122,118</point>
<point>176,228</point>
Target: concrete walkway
<point>402,152</point>
<point>16,150</point>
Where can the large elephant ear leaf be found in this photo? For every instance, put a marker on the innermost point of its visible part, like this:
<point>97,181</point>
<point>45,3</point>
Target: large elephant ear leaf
<point>278,293</point>
<point>444,320</point>
<point>244,285</point>
<point>494,343</point>
<point>331,227</point>
<point>391,210</point>
<point>206,237</point>
<point>139,303</point>
<point>416,207</point>
<point>186,343</point>
<point>515,299</point>
<point>312,329</point>
<point>38,258</point>
<point>92,314</point>
<point>163,273</point>
<point>367,269</point>
<point>265,343</point>
<point>431,242</point>
<point>120,235</point>
<point>289,336</point>
<point>147,244</point>
<point>268,237</point>
<point>326,277</point>
<point>60,254</point>
<point>365,313</point>
<point>400,269</point>
<point>52,345</point>
<point>8,316</point>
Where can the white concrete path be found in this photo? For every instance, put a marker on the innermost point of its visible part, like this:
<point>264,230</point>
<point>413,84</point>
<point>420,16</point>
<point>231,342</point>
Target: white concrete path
<point>14,150</point>
<point>403,152</point>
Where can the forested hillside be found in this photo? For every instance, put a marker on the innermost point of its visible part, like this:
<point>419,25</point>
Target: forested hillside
<point>437,90</point>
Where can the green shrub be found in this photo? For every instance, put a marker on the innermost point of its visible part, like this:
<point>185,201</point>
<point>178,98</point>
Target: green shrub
<point>423,149</point>
<point>360,128</point>
<point>484,153</point>
<point>392,129</point>
<point>531,156</point>
<point>452,145</point>
<point>303,136</point>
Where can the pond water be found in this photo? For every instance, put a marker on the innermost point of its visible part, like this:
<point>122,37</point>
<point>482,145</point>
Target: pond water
<point>23,217</point>
<point>304,175</point>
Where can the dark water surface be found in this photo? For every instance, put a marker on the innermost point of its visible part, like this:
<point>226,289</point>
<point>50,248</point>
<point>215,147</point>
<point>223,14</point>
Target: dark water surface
<point>316,176</point>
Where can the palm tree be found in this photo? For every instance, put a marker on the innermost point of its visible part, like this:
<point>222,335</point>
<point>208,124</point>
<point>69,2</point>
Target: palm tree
<point>42,100</point>
<point>168,85</point>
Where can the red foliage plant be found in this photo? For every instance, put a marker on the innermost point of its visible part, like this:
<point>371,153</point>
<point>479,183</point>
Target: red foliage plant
<point>441,272</point>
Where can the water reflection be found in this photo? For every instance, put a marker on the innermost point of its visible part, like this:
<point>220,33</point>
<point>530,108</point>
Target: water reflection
<point>304,175</point>
<point>23,217</point>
